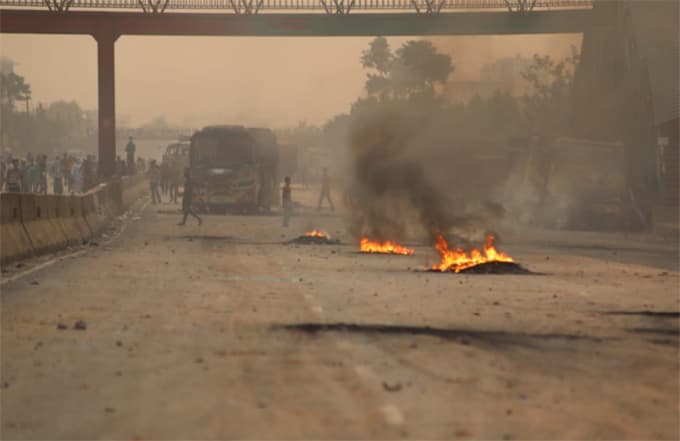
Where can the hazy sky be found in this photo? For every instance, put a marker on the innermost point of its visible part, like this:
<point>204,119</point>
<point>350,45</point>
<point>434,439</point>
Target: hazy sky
<point>200,80</point>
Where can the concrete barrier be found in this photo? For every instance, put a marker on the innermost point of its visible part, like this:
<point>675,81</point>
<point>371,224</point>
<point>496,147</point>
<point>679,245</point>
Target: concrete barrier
<point>14,240</point>
<point>94,215</point>
<point>32,224</point>
<point>45,234</point>
<point>67,220</point>
<point>77,208</point>
<point>57,215</point>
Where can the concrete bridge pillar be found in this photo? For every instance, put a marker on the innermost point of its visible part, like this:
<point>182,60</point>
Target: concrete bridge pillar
<point>106,39</point>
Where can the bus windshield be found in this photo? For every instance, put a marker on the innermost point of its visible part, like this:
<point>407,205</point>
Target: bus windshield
<point>211,150</point>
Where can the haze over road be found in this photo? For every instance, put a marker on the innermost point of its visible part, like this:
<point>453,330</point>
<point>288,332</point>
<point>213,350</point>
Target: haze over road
<point>272,82</point>
<point>184,339</point>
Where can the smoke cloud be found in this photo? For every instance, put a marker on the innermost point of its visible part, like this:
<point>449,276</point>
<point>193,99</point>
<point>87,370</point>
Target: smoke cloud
<point>405,175</point>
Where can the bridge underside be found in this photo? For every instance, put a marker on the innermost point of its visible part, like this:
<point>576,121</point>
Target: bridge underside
<point>309,24</point>
<point>106,27</point>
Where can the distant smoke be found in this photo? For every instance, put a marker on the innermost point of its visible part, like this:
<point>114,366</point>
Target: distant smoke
<point>393,182</point>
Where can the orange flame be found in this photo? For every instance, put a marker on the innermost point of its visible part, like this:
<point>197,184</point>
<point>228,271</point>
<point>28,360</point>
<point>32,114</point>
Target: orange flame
<point>458,260</point>
<point>386,247</point>
<point>317,233</point>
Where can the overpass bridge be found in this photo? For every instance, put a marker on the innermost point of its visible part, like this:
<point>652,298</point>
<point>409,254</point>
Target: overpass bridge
<point>324,6</point>
<point>106,20</point>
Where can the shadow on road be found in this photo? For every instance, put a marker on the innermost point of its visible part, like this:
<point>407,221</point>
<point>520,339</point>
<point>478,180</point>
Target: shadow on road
<point>462,336</point>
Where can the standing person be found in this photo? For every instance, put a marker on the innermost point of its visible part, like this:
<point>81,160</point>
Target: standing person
<point>141,165</point>
<point>68,171</point>
<point>325,190</point>
<point>130,149</point>
<point>86,172</point>
<point>286,200</point>
<point>175,179</point>
<point>58,175</point>
<point>30,175</point>
<point>42,174</point>
<point>165,175</point>
<point>14,177</point>
<point>120,166</point>
<point>24,176</point>
<point>76,178</point>
<point>187,197</point>
<point>154,174</point>
<point>3,170</point>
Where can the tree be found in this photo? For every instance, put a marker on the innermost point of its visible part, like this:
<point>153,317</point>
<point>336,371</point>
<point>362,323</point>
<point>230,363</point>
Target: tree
<point>378,56</point>
<point>418,67</point>
<point>546,106</point>
<point>415,68</point>
<point>13,88</point>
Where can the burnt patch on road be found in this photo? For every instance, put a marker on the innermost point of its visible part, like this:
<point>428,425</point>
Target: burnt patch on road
<point>211,238</point>
<point>658,327</point>
<point>662,331</point>
<point>656,314</point>
<point>462,336</point>
<point>665,336</point>
<point>219,240</point>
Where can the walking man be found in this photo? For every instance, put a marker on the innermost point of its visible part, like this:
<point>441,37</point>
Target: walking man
<point>154,182</point>
<point>186,199</point>
<point>130,149</point>
<point>325,190</point>
<point>286,201</point>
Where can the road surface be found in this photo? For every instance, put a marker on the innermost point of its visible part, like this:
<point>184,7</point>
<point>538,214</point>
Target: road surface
<point>221,331</point>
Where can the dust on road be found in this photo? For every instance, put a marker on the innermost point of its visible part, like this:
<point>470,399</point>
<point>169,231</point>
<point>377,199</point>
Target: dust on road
<point>223,331</point>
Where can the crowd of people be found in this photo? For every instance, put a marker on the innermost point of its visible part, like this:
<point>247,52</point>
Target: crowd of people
<point>65,174</point>
<point>165,179</point>
<point>37,174</point>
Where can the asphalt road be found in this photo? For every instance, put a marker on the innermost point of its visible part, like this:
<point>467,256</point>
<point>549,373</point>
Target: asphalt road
<point>222,331</point>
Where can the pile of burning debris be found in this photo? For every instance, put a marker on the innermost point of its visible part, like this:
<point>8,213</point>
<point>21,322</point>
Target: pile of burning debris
<point>457,260</point>
<point>488,261</point>
<point>385,247</point>
<point>314,237</point>
<point>491,261</point>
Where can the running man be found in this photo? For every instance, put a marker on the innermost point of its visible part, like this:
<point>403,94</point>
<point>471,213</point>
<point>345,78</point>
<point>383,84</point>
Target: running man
<point>186,199</point>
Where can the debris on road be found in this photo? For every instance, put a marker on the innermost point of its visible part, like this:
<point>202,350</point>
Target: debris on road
<point>80,325</point>
<point>314,237</point>
<point>62,326</point>
<point>489,268</point>
<point>396,387</point>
